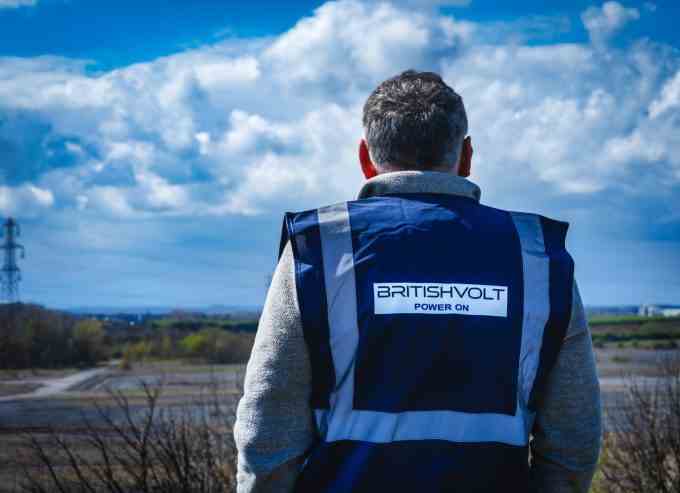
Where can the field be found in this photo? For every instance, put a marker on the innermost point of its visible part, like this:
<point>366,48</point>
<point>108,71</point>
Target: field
<point>182,383</point>
<point>636,332</point>
<point>33,401</point>
<point>96,398</point>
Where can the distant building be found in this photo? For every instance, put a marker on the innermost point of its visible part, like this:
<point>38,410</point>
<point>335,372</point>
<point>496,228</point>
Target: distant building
<point>659,311</point>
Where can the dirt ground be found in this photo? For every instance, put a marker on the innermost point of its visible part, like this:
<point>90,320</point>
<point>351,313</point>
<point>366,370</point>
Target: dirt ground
<point>188,386</point>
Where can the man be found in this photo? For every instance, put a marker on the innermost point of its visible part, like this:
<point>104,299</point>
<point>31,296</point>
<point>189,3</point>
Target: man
<point>414,339</point>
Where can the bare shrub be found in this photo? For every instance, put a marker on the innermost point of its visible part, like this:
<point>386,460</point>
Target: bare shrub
<point>126,447</point>
<point>642,448</point>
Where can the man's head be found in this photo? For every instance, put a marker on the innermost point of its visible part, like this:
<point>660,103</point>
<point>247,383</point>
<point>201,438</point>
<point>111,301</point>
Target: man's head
<point>414,121</point>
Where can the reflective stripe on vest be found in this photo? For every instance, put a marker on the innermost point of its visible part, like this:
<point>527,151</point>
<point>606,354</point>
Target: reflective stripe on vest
<point>338,272</point>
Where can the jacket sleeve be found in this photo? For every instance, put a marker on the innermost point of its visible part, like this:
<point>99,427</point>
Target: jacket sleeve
<point>274,421</point>
<point>567,431</point>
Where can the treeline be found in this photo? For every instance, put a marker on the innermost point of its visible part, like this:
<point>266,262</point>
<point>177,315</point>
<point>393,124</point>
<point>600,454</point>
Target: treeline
<point>194,322</point>
<point>637,332</point>
<point>208,344</point>
<point>34,337</point>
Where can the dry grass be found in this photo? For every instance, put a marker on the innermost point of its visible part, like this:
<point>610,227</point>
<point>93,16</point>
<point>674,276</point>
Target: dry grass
<point>7,389</point>
<point>186,448</point>
<point>641,452</point>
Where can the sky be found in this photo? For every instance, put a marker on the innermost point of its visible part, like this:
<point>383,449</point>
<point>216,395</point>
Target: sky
<point>149,149</point>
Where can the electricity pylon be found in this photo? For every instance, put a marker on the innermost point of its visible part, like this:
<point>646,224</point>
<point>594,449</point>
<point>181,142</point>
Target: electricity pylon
<point>10,275</point>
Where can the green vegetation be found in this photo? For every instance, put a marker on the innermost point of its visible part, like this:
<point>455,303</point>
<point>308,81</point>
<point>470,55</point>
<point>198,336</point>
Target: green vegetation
<point>209,345</point>
<point>199,323</point>
<point>88,341</point>
<point>33,337</point>
<point>598,320</point>
<point>216,346</point>
<point>190,336</point>
<point>636,332</point>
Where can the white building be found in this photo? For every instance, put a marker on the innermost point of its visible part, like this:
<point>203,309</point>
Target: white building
<point>659,311</point>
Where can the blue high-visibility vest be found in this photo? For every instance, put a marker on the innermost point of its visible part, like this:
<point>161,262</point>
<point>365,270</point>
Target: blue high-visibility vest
<point>432,322</point>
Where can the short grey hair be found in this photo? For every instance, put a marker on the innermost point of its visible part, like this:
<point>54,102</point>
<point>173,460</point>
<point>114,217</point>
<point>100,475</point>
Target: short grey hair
<point>414,121</point>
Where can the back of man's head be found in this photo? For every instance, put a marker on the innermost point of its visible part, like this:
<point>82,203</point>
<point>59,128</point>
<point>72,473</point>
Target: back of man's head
<point>414,121</point>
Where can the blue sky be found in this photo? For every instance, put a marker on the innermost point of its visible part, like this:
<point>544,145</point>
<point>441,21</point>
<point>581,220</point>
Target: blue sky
<point>150,148</point>
<point>114,34</point>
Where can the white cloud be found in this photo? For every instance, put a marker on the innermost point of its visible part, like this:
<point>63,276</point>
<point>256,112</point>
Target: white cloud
<point>250,127</point>
<point>214,75</point>
<point>27,200</point>
<point>13,4</point>
<point>668,99</point>
<point>110,199</point>
<point>428,3</point>
<point>156,193</point>
<point>603,22</point>
<point>142,167</point>
<point>341,58</point>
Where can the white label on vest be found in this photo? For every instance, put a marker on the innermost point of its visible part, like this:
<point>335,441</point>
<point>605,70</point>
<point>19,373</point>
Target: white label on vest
<point>436,298</point>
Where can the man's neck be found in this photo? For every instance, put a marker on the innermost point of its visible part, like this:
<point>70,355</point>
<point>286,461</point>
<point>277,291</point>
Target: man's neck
<point>419,182</point>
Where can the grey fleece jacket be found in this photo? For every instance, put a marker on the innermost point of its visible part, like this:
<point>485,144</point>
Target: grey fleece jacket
<point>275,426</point>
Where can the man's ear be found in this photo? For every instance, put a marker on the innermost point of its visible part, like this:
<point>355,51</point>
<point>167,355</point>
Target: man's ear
<point>465,163</point>
<point>367,166</point>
